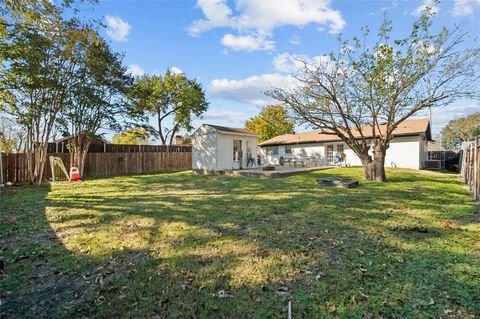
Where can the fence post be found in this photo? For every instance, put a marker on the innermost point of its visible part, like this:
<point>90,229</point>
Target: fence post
<point>475,169</point>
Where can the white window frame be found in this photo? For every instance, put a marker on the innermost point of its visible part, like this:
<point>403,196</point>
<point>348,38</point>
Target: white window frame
<point>343,148</point>
<point>289,149</point>
<point>274,150</point>
<point>327,155</point>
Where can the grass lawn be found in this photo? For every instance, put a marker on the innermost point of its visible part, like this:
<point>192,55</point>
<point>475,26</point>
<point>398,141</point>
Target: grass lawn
<point>182,245</point>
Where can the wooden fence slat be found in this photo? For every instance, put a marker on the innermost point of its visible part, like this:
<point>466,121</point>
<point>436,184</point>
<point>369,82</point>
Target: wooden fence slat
<point>15,168</point>
<point>471,168</point>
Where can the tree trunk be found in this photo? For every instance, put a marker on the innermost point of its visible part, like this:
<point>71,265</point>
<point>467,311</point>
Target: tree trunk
<point>374,169</point>
<point>84,157</point>
<point>79,147</point>
<point>40,158</point>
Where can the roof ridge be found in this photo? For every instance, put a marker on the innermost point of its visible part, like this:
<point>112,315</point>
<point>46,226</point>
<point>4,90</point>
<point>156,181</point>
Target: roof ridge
<point>417,126</point>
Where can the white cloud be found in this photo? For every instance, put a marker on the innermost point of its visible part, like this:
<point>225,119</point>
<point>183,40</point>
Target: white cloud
<point>292,63</point>
<point>442,115</point>
<point>386,8</point>
<point>232,116</point>
<point>295,40</point>
<point>117,29</point>
<point>250,90</point>
<point>286,62</point>
<point>218,115</point>
<point>432,4</point>
<point>260,18</point>
<point>176,70</point>
<point>135,70</point>
<point>247,42</point>
<point>465,7</point>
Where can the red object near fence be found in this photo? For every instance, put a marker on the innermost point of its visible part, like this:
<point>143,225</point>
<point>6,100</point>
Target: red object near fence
<point>74,174</point>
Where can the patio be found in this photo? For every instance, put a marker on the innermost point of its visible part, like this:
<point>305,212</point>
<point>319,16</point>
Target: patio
<point>280,171</point>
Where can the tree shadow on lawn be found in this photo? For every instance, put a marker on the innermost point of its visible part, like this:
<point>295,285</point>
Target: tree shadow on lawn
<point>260,241</point>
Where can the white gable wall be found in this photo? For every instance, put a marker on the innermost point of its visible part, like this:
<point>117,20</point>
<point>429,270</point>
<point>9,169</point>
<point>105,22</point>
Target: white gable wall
<point>204,148</point>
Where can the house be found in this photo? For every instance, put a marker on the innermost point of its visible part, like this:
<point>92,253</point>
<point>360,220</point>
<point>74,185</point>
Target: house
<point>219,148</point>
<point>61,145</point>
<point>408,148</point>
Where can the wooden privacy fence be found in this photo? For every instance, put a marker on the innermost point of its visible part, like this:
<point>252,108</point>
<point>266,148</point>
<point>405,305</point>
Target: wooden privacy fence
<point>14,166</point>
<point>121,148</point>
<point>471,167</point>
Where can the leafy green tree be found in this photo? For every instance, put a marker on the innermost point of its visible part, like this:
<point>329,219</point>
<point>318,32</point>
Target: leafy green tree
<point>12,136</point>
<point>272,121</point>
<point>368,85</point>
<point>41,55</point>
<point>97,101</point>
<point>136,136</point>
<point>187,139</point>
<point>461,130</point>
<point>172,98</point>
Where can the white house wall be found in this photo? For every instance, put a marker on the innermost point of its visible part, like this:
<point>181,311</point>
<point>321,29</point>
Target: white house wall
<point>406,152</point>
<point>204,149</point>
<point>316,150</point>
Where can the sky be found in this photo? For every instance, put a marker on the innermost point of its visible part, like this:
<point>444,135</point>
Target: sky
<point>238,49</point>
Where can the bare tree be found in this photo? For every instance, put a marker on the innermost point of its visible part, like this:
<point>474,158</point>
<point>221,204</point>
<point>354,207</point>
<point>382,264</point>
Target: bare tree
<point>362,93</point>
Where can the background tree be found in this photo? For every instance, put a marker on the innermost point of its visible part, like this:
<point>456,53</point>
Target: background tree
<point>272,121</point>
<point>374,87</point>
<point>131,136</point>
<point>461,130</point>
<point>172,98</point>
<point>187,139</point>
<point>12,136</point>
<point>97,101</point>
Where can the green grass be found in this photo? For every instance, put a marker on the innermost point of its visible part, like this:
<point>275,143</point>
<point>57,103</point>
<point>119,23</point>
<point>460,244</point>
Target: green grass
<point>182,245</point>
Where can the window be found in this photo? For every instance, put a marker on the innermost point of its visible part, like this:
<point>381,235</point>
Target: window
<point>288,149</point>
<point>272,150</point>
<point>340,149</point>
<point>329,153</point>
<point>237,150</point>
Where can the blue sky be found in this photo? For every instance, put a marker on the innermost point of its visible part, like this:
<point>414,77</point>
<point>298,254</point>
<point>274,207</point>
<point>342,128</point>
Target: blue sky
<point>237,49</point>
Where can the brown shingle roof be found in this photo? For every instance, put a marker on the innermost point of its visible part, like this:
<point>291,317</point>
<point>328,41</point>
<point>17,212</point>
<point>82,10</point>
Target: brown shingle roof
<point>227,129</point>
<point>408,127</point>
